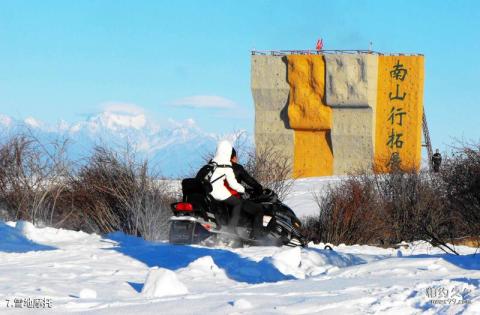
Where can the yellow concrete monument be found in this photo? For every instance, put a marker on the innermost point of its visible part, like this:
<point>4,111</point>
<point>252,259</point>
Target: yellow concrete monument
<point>339,113</point>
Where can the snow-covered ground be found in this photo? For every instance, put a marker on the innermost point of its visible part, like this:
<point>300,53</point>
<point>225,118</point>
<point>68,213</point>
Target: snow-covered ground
<point>304,191</point>
<point>119,274</point>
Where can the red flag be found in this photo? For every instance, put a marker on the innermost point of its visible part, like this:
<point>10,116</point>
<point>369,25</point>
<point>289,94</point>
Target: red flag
<point>319,44</point>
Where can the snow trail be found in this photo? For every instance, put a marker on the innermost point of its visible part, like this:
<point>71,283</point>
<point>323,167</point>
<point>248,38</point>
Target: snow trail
<point>91,274</point>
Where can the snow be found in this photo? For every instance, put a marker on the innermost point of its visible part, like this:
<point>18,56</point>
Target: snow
<point>121,274</point>
<point>87,294</point>
<point>32,122</point>
<point>162,282</point>
<point>12,240</point>
<point>288,262</point>
<point>242,304</point>
<point>25,228</point>
<point>301,198</point>
<point>203,267</point>
<point>5,121</point>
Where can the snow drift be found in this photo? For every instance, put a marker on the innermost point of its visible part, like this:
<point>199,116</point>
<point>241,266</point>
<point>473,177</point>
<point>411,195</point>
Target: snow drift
<point>120,274</point>
<point>162,282</point>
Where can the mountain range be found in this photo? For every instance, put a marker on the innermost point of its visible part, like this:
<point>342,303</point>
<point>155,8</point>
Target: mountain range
<point>176,148</point>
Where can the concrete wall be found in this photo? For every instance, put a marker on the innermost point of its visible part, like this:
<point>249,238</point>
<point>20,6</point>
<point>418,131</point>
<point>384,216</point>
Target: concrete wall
<point>352,140</point>
<point>351,85</point>
<point>346,80</point>
<point>331,114</point>
<point>270,93</point>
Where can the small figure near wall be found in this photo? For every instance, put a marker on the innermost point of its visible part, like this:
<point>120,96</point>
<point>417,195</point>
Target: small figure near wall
<point>436,161</point>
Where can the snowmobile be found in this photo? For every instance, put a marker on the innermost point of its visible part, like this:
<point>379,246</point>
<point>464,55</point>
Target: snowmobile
<point>199,218</point>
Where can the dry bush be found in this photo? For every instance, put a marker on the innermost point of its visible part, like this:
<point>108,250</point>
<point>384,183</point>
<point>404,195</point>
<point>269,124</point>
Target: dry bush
<point>118,193</point>
<point>349,214</point>
<point>271,168</point>
<point>106,192</point>
<point>32,177</point>
<point>384,209</point>
<point>461,176</point>
<point>415,209</point>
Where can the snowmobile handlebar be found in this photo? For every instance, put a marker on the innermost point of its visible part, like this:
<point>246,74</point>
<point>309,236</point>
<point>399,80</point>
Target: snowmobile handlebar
<point>266,195</point>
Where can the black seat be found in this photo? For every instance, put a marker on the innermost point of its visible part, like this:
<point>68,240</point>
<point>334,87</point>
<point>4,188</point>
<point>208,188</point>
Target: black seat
<point>194,192</point>
<point>192,186</point>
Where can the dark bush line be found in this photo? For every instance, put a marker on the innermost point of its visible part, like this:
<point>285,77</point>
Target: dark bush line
<point>385,209</point>
<point>111,191</point>
<point>106,192</point>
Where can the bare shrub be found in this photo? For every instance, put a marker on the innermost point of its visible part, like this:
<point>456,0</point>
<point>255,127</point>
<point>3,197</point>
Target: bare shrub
<point>118,193</point>
<point>415,208</point>
<point>349,214</point>
<point>271,168</point>
<point>108,192</point>
<point>461,176</point>
<point>151,210</point>
<point>384,209</point>
<point>32,177</point>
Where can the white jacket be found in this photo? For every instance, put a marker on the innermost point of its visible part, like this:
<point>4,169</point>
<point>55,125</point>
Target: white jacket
<point>225,173</point>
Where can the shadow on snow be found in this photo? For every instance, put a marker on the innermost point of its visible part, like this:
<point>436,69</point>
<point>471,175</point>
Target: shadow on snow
<point>467,262</point>
<point>174,257</point>
<point>13,241</point>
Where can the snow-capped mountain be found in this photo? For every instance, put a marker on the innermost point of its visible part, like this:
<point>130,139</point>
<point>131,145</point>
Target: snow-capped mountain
<point>175,148</point>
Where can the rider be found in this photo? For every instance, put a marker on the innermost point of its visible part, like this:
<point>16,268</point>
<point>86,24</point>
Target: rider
<point>225,187</point>
<point>242,175</point>
<point>252,208</point>
<point>436,161</point>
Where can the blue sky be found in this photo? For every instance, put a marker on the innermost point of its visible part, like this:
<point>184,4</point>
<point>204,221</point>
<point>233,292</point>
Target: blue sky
<point>67,59</point>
